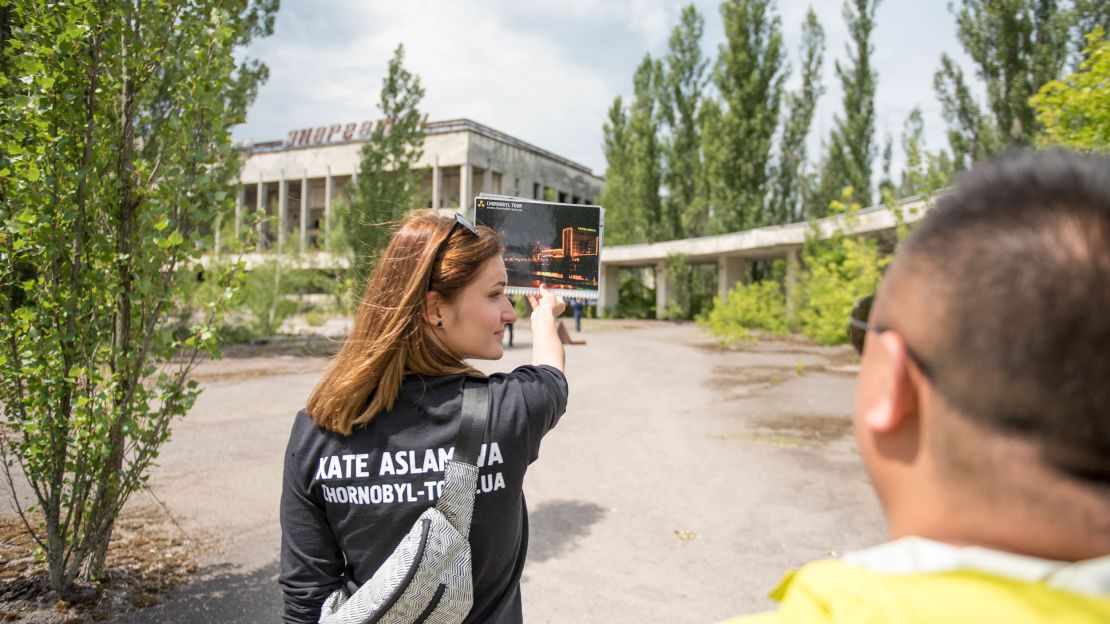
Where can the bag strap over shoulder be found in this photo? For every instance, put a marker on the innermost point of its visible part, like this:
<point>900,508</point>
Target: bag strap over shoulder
<point>472,425</point>
<point>456,500</point>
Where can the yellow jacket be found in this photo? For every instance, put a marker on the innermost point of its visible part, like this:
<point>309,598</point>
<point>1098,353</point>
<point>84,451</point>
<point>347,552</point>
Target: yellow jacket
<point>836,591</point>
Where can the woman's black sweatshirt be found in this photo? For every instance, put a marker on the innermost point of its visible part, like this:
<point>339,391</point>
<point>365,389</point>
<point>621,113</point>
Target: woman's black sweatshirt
<point>347,501</point>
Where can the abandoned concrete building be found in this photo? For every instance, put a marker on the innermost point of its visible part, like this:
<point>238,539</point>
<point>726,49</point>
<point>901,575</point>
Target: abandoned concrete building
<point>295,181</point>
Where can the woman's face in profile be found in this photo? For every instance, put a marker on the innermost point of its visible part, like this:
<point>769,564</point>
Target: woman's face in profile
<point>474,323</point>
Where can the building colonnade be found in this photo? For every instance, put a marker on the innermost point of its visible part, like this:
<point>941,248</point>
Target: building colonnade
<point>301,206</point>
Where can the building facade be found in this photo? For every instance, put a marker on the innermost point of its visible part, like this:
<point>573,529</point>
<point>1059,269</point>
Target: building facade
<point>294,182</point>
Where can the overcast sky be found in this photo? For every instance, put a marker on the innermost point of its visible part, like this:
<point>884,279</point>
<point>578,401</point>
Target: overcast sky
<point>548,72</point>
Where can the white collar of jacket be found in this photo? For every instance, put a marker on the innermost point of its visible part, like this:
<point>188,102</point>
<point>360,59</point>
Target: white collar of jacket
<point>917,555</point>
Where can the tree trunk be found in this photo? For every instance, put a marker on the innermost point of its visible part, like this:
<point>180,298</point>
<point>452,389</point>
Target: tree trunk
<point>103,515</point>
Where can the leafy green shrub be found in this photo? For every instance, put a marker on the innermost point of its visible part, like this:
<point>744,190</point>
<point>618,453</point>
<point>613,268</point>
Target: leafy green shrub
<point>347,291</point>
<point>760,305</point>
<point>679,276</point>
<point>1073,110</point>
<point>634,300</point>
<point>520,306</point>
<point>112,173</point>
<point>834,280</point>
<point>693,288</point>
<point>235,333</point>
<point>263,296</point>
<point>673,312</point>
<point>204,291</point>
<point>839,270</point>
<point>315,318</point>
<point>310,282</point>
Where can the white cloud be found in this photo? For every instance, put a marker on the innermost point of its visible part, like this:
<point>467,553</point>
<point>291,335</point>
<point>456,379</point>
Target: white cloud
<point>650,20</point>
<point>546,72</point>
<point>470,63</point>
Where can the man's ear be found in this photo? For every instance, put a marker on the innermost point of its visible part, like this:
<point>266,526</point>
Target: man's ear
<point>432,304</point>
<point>899,401</point>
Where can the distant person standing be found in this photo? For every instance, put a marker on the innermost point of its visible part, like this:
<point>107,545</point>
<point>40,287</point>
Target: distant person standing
<point>509,326</point>
<point>576,306</point>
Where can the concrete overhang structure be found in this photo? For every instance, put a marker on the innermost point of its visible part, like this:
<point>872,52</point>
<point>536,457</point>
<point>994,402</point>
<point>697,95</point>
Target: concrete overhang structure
<point>730,251</point>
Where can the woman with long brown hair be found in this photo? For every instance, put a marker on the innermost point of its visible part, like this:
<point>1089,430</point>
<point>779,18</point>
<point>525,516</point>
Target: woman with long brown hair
<point>367,454</point>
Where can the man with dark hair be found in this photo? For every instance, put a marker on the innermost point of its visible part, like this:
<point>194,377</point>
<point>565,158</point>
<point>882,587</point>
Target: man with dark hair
<point>983,410</point>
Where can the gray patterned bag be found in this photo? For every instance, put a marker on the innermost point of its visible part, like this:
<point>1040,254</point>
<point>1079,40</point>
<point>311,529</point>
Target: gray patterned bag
<point>427,578</point>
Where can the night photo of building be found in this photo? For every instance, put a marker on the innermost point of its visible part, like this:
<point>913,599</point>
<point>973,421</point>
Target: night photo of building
<point>546,243</point>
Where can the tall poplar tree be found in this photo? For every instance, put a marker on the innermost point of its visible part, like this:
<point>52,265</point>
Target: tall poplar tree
<point>645,170</point>
<point>792,187</point>
<point>624,221</point>
<point>683,86</point>
<point>971,132</point>
<point>886,182</point>
<point>1016,46</point>
<point>749,75</point>
<point>387,185</point>
<point>714,148</point>
<point>851,146</point>
<point>913,152</point>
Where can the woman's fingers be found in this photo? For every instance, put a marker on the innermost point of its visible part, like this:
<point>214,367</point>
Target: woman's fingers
<point>548,300</point>
<point>557,305</point>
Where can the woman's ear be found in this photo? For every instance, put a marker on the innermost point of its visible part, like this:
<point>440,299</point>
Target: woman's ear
<point>432,312</point>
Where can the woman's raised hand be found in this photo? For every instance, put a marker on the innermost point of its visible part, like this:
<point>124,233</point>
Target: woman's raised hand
<point>547,302</point>
<point>546,346</point>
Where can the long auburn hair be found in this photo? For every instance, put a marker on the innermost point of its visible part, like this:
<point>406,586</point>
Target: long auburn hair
<point>390,336</point>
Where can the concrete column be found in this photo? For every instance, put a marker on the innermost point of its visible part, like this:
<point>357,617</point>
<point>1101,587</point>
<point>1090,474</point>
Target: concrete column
<point>793,267</point>
<point>465,197</point>
<point>327,202</point>
<point>437,182</point>
<point>730,270</point>
<point>260,206</point>
<point>283,209</point>
<point>304,210</point>
<point>240,199</point>
<point>609,288</point>
<point>662,297</point>
<point>487,179</point>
